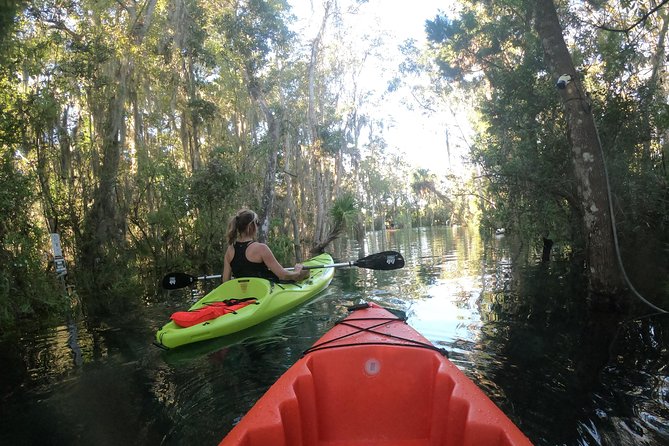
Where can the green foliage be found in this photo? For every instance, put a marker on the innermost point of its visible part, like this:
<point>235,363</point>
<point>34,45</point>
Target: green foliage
<point>110,286</point>
<point>281,245</point>
<point>26,288</point>
<point>202,110</point>
<point>521,148</point>
<point>439,208</point>
<point>131,100</point>
<point>441,31</point>
<point>141,100</point>
<point>213,185</point>
<point>344,211</point>
<point>8,10</point>
<point>332,139</point>
<point>212,194</point>
<point>524,158</point>
<point>255,30</point>
<point>162,219</point>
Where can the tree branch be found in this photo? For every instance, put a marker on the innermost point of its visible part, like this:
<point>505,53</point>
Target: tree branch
<point>641,20</point>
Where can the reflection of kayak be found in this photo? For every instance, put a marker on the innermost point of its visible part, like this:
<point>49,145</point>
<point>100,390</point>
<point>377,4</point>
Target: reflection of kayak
<point>269,300</point>
<point>373,380</point>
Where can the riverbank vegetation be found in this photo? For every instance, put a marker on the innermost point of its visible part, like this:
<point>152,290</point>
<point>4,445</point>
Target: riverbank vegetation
<point>135,129</point>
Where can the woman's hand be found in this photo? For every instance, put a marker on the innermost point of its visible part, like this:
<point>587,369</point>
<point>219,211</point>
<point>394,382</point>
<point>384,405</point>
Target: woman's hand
<point>301,273</point>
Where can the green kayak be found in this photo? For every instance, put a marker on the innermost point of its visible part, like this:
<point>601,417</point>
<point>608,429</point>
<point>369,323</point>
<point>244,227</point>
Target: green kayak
<point>263,300</point>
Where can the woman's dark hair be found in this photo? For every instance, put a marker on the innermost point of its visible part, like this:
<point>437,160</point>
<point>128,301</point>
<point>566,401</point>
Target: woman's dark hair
<point>240,223</point>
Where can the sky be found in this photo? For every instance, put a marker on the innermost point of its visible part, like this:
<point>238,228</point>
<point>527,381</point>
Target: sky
<point>420,136</point>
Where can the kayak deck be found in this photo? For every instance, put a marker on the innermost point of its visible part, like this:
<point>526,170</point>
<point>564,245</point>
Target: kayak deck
<point>271,299</point>
<point>373,380</point>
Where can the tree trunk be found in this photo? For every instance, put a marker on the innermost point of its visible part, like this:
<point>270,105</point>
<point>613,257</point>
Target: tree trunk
<point>587,156</point>
<point>190,126</point>
<point>105,222</point>
<point>141,153</point>
<point>317,155</point>
<point>290,201</point>
<point>103,225</point>
<point>274,135</point>
<point>656,83</point>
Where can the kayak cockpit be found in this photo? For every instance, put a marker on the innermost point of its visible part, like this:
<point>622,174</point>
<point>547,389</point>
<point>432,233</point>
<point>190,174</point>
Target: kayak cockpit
<point>379,395</point>
<point>373,380</point>
<point>243,288</point>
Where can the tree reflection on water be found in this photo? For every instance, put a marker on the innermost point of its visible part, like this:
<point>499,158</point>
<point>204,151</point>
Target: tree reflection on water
<point>522,330</point>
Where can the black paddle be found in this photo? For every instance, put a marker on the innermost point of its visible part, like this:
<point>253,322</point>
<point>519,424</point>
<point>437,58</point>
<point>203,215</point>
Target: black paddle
<point>384,261</point>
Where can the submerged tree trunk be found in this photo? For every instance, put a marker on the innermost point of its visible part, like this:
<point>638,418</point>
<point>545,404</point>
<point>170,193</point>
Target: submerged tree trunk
<point>587,156</point>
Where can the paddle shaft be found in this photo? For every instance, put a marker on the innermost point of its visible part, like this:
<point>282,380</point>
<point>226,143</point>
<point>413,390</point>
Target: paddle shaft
<point>213,276</point>
<point>385,261</point>
<point>332,265</point>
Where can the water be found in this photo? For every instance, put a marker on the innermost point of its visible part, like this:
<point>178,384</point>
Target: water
<point>523,334</point>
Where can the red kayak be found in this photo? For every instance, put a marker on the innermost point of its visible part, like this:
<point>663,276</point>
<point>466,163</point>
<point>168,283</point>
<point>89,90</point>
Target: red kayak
<point>373,380</point>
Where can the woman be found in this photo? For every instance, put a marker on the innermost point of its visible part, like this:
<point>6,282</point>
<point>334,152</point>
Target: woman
<point>247,258</point>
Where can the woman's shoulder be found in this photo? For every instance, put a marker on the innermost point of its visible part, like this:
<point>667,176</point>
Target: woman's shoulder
<point>258,246</point>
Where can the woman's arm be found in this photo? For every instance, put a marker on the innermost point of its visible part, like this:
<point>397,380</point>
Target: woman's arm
<point>270,261</point>
<point>227,271</point>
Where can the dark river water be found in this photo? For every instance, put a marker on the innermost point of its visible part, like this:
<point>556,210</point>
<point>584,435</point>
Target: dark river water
<point>565,375</point>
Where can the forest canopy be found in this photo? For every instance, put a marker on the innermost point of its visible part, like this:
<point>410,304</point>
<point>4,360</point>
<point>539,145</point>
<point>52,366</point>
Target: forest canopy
<point>135,129</point>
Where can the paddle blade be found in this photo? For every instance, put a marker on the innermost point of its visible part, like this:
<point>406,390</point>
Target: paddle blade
<point>385,261</point>
<point>174,281</point>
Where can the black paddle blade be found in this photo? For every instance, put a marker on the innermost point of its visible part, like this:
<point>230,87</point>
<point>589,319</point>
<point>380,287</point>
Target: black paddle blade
<point>174,281</point>
<point>384,261</point>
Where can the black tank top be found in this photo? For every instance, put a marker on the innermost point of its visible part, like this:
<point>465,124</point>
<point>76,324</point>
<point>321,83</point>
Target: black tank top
<point>243,267</point>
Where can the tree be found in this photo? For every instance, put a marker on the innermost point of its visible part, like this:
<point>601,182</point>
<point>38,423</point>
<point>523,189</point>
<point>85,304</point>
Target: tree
<point>344,214</point>
<point>105,223</point>
<point>540,159</point>
<point>587,155</point>
<point>424,185</point>
<point>8,10</point>
<point>258,33</point>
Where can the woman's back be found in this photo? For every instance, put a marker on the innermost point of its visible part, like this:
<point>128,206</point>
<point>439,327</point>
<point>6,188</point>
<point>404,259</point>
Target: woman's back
<point>247,261</point>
